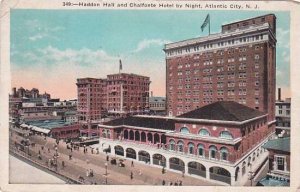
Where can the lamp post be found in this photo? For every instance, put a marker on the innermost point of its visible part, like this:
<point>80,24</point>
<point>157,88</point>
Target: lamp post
<point>105,172</point>
<point>27,143</point>
<point>55,158</point>
<point>251,175</point>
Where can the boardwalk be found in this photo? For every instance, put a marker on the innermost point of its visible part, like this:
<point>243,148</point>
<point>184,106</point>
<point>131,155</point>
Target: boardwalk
<point>82,162</point>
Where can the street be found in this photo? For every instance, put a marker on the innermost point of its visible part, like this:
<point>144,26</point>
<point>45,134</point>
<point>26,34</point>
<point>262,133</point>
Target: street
<point>81,164</point>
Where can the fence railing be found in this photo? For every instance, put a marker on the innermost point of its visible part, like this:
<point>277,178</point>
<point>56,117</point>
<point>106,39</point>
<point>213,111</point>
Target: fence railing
<point>159,162</point>
<point>144,158</point>
<point>218,177</point>
<point>197,172</point>
<point>176,167</point>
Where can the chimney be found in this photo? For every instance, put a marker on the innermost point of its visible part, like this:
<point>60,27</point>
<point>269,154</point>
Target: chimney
<point>279,94</point>
<point>14,91</point>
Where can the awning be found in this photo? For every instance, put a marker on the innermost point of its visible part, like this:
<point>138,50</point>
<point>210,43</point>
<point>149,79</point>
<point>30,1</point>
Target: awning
<point>41,130</point>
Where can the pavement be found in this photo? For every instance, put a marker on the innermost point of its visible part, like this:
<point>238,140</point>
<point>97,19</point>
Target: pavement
<point>82,162</point>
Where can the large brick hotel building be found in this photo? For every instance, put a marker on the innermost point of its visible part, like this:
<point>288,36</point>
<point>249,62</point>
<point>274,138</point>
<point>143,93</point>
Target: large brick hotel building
<point>237,64</point>
<point>117,94</point>
<point>220,102</point>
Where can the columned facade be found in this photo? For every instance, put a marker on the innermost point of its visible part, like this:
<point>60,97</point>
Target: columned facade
<point>213,170</point>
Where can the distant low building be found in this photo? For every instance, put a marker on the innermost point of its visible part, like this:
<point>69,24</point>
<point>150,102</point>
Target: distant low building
<point>54,128</point>
<point>157,105</point>
<point>71,117</point>
<point>283,116</point>
<point>279,162</point>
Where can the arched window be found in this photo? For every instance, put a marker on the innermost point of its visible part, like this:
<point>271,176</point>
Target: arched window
<point>180,146</point>
<point>224,153</point>
<point>249,161</point>
<point>184,130</point>
<point>201,150</point>
<point>172,145</point>
<point>204,132</point>
<point>212,152</point>
<point>253,158</point>
<point>191,148</point>
<point>226,135</point>
<point>243,168</point>
<point>103,133</point>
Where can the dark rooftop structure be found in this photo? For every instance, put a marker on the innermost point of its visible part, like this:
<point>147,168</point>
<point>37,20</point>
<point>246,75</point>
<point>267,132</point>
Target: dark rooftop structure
<point>224,111</point>
<point>149,122</point>
<point>280,144</point>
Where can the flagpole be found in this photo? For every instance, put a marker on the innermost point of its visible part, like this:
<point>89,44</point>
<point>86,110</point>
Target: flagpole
<point>209,26</point>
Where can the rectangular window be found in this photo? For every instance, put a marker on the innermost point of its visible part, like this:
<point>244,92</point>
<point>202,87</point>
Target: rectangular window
<point>280,163</point>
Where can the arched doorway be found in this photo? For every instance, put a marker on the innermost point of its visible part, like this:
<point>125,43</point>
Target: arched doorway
<point>159,159</point>
<point>125,134</point>
<point>156,138</point>
<point>143,137</point>
<point>119,150</point>
<point>144,156</point>
<point>130,153</point>
<point>149,137</point>
<point>196,169</point>
<point>131,135</point>
<point>176,164</point>
<point>163,139</point>
<point>237,170</point>
<point>220,174</point>
<point>137,136</point>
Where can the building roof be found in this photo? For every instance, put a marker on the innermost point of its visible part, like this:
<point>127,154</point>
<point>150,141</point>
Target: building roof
<point>157,99</point>
<point>48,124</point>
<point>71,113</point>
<point>280,144</point>
<point>156,123</point>
<point>224,111</point>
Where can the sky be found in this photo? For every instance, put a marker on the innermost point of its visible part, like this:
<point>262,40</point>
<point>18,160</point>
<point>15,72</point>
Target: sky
<point>50,49</point>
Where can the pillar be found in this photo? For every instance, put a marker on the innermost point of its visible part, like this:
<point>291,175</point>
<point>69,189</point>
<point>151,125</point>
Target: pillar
<point>207,173</point>
<point>112,150</point>
<point>186,168</point>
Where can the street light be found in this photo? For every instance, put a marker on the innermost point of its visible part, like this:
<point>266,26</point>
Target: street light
<point>251,174</point>
<point>55,158</point>
<point>105,172</point>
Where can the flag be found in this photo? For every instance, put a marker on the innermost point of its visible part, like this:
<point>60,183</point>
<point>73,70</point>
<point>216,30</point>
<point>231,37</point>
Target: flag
<point>120,66</point>
<point>207,20</point>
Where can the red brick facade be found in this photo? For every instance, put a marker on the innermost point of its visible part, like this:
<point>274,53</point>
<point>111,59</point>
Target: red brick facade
<point>236,65</point>
<point>97,97</point>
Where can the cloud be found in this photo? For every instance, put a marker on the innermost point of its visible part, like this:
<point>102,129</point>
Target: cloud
<point>283,38</point>
<point>146,43</point>
<point>55,71</point>
<point>285,57</point>
<point>40,31</point>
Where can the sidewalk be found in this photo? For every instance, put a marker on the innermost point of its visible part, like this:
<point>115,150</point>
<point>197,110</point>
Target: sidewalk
<point>81,162</point>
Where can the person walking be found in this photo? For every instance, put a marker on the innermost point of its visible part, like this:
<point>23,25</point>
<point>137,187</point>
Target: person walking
<point>180,183</point>
<point>132,164</point>
<point>163,170</point>
<point>131,175</point>
<point>163,182</point>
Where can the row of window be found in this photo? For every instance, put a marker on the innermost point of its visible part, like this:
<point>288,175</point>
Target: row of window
<point>224,153</point>
<point>205,132</point>
<point>216,45</point>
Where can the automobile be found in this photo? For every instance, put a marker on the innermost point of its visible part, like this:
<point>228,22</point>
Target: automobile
<point>113,161</point>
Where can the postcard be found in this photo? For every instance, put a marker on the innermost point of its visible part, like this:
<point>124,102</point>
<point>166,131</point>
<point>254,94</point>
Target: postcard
<point>131,95</point>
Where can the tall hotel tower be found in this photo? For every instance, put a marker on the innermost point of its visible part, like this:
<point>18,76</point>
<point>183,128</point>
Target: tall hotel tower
<point>237,64</point>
